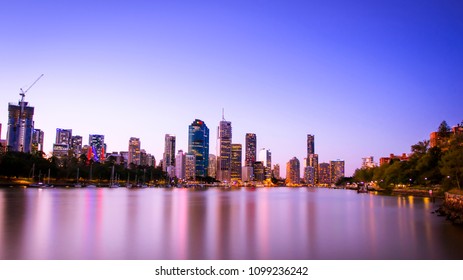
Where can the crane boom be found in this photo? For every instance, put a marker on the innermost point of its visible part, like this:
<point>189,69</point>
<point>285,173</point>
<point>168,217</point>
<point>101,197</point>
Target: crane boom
<point>23,92</point>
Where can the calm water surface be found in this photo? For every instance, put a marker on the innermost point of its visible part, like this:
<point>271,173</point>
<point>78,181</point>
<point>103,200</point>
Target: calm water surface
<point>262,223</point>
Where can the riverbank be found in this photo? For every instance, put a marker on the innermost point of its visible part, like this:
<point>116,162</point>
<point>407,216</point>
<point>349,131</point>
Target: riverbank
<point>452,208</point>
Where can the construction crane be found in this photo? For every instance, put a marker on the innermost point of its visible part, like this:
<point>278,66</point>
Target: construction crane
<point>23,92</point>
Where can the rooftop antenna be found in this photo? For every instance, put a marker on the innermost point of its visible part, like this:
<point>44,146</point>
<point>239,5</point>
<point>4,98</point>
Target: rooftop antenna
<point>223,114</point>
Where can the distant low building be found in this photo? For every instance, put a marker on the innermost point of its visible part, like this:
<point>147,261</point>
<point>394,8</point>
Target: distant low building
<point>368,162</point>
<point>442,140</point>
<point>387,160</point>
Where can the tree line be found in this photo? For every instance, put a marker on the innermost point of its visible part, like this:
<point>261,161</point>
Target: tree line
<point>440,165</point>
<point>37,167</point>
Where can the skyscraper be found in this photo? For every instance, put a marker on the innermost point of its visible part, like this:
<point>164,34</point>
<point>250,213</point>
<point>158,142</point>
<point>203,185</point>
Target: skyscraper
<point>97,148</point>
<point>212,170</point>
<point>190,163</point>
<point>224,139</point>
<point>180,165</point>
<point>134,156</point>
<point>310,144</point>
<point>198,144</point>
<point>250,149</point>
<point>265,156</point>
<point>20,127</point>
<point>313,162</point>
<point>169,154</point>
<point>312,158</point>
<point>236,161</point>
<point>276,171</point>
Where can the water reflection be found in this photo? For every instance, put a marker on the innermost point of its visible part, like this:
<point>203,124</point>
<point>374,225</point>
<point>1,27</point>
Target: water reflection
<point>262,223</point>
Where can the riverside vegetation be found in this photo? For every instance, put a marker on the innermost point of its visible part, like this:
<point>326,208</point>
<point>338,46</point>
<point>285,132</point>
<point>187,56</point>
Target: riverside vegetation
<point>438,168</point>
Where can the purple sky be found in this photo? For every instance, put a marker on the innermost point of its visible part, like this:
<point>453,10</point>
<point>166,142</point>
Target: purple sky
<point>366,77</point>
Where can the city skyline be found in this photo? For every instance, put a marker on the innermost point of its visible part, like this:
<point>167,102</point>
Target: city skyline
<point>367,79</point>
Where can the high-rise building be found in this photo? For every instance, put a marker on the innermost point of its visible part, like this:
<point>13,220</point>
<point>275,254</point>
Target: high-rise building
<point>97,148</point>
<point>259,171</point>
<point>250,149</point>
<point>150,160</point>
<point>309,175</point>
<point>134,152</point>
<point>310,144</point>
<point>265,156</point>
<point>2,142</point>
<point>336,170</point>
<point>124,157</point>
<point>313,162</point>
<point>212,170</point>
<point>143,158</point>
<point>180,165</point>
<point>63,136</point>
<point>236,161</point>
<point>169,153</point>
<point>198,144</point>
<point>276,171</point>
<point>247,173</point>
<point>62,143</point>
<point>324,174</point>
<point>37,140</point>
<point>312,158</point>
<point>20,127</point>
<point>224,139</point>
<point>76,145</point>
<point>190,166</point>
<point>293,171</point>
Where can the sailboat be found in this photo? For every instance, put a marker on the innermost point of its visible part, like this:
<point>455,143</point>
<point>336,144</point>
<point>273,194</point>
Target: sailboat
<point>91,185</point>
<point>112,182</point>
<point>77,184</point>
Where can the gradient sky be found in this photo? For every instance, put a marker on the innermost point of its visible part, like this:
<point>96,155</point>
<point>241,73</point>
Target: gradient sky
<point>365,77</point>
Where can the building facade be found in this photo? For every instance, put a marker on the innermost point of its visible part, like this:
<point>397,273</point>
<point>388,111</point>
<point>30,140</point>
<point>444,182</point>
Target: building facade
<point>190,166</point>
<point>76,145</point>
<point>310,144</point>
<point>20,127</point>
<point>212,170</point>
<point>37,140</point>
<point>224,141</point>
<point>168,160</point>
<point>337,170</point>
<point>293,171</point>
<point>97,148</point>
<point>324,174</point>
<point>250,149</point>
<point>265,156</point>
<point>236,166</point>
<point>313,162</point>
<point>180,165</point>
<point>134,155</point>
<point>309,175</point>
<point>198,144</point>
<point>276,171</point>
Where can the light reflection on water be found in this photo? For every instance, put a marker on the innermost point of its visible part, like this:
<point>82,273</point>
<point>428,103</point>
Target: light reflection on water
<point>262,223</point>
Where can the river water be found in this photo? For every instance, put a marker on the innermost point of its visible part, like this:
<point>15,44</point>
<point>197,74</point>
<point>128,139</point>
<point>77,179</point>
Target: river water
<point>243,223</point>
